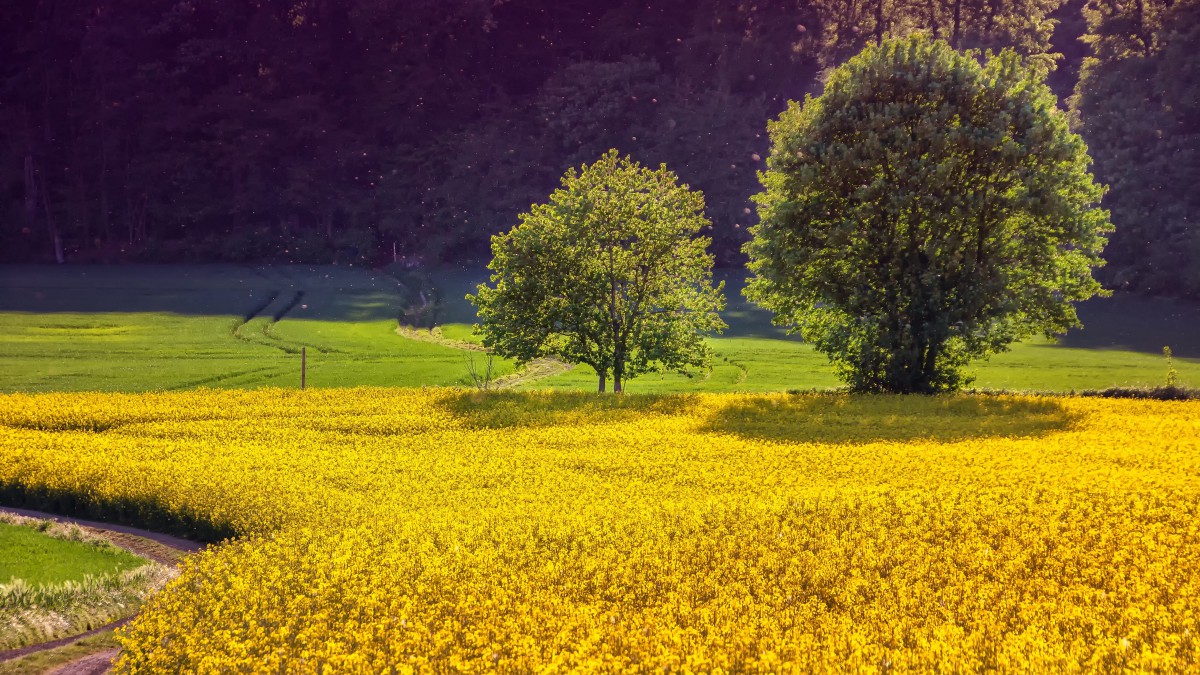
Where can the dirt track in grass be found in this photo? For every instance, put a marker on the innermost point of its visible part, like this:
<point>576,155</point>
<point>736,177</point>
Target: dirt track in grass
<point>160,548</point>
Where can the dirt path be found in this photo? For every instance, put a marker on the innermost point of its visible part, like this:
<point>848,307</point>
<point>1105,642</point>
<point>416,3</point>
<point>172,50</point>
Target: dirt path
<point>434,336</point>
<point>20,652</point>
<point>141,542</point>
<point>538,369</point>
<point>535,370</point>
<point>160,548</point>
<point>92,664</point>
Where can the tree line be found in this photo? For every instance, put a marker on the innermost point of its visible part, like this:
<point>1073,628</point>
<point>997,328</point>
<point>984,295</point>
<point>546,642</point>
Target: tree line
<point>362,130</point>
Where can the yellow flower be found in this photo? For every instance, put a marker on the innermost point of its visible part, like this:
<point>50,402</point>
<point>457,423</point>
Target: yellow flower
<point>442,530</point>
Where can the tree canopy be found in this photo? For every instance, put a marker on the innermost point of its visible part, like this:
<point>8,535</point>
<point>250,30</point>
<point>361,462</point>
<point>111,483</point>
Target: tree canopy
<point>923,211</point>
<point>611,271</point>
<point>1138,106</point>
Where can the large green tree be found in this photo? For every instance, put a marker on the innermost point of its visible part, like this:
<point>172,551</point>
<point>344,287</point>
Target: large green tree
<point>611,272</point>
<point>923,211</point>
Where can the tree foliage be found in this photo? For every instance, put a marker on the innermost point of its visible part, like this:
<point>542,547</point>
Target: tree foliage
<point>923,211</point>
<point>1138,106</point>
<point>610,271</point>
<point>290,130</point>
<point>1024,25</point>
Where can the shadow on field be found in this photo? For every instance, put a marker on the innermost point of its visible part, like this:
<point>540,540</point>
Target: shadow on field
<point>326,292</point>
<point>1137,323</point>
<point>148,513</point>
<point>503,409</point>
<point>841,418</point>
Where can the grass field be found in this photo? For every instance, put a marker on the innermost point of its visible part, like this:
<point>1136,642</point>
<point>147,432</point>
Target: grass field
<point>144,328</point>
<point>59,580</point>
<point>37,558</point>
<point>147,328</point>
<point>447,530</point>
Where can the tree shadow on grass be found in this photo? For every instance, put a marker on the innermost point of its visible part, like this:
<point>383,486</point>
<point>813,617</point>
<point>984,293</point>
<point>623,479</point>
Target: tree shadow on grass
<point>324,292</point>
<point>1136,323</point>
<point>504,409</point>
<point>817,418</point>
<point>842,418</point>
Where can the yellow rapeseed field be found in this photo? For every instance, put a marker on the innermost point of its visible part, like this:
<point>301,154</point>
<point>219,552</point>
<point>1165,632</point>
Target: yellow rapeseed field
<point>442,530</point>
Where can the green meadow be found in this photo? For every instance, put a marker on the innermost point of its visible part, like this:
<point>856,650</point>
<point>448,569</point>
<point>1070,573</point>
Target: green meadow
<point>140,328</point>
<point>37,558</point>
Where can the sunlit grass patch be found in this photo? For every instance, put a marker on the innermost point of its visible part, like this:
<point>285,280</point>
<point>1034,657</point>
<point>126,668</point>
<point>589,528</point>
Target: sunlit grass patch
<point>37,558</point>
<point>58,580</point>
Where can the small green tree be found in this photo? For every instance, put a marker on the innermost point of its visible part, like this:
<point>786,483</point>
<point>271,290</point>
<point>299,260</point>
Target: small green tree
<point>610,272</point>
<point>923,211</point>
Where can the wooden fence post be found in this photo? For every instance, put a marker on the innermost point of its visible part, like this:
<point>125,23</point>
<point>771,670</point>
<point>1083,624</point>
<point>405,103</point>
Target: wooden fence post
<point>303,365</point>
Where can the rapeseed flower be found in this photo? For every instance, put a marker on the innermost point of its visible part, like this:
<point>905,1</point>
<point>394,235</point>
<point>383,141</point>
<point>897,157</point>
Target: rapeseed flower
<point>439,530</point>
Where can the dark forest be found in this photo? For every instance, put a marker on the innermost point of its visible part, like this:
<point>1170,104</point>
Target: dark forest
<point>367,131</point>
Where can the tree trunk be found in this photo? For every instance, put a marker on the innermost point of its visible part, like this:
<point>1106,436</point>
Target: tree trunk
<point>105,208</point>
<point>51,227</point>
<point>79,210</point>
<point>129,214</point>
<point>918,378</point>
<point>930,365</point>
<point>603,377</point>
<point>31,192</point>
<point>126,180</point>
<point>618,369</point>
<point>1141,28</point>
<point>956,36</point>
<point>879,22</point>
